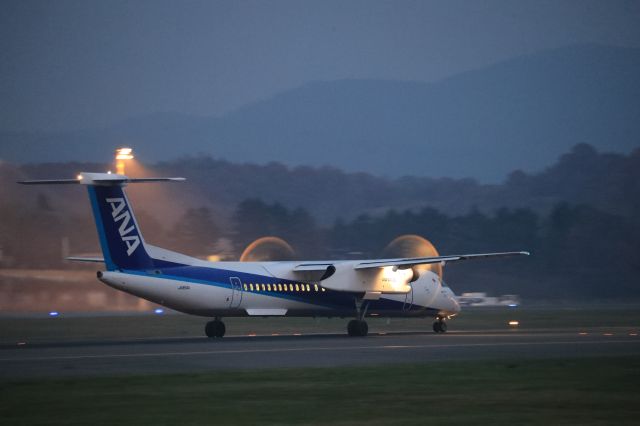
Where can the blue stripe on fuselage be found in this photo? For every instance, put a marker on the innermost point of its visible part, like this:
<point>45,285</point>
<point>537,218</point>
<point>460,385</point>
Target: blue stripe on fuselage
<point>330,299</point>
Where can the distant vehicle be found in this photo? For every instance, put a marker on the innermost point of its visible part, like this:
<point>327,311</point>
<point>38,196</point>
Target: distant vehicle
<point>336,288</point>
<point>481,299</point>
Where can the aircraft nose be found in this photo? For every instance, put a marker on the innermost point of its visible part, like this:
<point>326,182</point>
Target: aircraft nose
<point>455,305</point>
<point>450,300</point>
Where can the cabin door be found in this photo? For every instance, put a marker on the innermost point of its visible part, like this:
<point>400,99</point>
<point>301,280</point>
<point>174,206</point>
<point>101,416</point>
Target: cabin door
<point>236,292</point>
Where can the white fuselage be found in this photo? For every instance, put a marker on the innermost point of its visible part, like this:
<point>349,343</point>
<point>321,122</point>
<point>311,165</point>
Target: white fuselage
<point>256,289</point>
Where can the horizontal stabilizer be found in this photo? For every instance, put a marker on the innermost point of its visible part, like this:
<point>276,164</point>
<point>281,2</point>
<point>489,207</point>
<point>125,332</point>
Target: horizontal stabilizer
<point>86,259</point>
<point>105,179</point>
<point>49,182</point>
<point>414,261</point>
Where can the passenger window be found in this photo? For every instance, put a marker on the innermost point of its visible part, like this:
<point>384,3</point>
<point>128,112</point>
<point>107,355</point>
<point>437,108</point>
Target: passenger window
<point>290,287</point>
<point>308,289</point>
<point>315,287</point>
<point>263,287</point>
<point>269,287</point>
<point>245,286</point>
<point>279,287</point>
<point>322,288</point>
<point>251,286</point>
<point>297,287</point>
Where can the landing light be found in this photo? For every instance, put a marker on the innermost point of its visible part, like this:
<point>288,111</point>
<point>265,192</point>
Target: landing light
<point>79,177</point>
<point>513,305</point>
<point>514,323</point>
<point>54,313</point>
<point>158,311</point>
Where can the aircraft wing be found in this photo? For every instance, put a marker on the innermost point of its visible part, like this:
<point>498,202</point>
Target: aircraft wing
<point>414,261</point>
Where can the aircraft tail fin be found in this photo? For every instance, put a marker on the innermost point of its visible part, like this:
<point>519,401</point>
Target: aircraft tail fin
<point>121,241</point>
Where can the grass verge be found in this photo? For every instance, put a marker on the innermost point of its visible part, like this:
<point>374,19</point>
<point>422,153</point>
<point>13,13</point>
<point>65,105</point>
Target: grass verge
<point>586,391</point>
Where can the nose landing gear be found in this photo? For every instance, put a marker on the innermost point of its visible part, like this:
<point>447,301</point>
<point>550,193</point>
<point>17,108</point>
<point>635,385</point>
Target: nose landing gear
<point>215,328</point>
<point>440,326</point>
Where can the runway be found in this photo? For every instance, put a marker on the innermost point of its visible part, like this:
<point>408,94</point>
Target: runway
<point>197,354</point>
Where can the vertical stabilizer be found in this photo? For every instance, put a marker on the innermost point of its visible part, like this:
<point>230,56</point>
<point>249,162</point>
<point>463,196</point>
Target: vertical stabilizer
<point>120,238</point>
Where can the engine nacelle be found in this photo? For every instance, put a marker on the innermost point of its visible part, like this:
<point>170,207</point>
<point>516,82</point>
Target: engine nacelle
<point>416,275</point>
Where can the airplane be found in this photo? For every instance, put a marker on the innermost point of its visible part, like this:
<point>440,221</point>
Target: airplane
<point>398,287</point>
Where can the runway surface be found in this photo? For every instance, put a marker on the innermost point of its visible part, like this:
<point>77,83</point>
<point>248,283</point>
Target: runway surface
<point>198,354</point>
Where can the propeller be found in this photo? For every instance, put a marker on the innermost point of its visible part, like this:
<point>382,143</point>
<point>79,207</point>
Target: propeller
<point>266,249</point>
<point>411,245</point>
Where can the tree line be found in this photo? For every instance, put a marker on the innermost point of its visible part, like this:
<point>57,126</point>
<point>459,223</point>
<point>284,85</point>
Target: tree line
<point>577,250</point>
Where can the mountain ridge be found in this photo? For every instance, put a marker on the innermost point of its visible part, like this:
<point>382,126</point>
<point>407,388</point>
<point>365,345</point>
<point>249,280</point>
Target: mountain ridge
<point>517,114</point>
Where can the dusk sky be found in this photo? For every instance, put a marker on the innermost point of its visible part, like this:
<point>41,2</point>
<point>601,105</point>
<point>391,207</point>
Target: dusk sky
<point>78,64</point>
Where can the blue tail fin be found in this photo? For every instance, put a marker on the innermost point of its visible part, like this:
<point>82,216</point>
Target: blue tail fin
<point>120,237</point>
<point>122,244</point>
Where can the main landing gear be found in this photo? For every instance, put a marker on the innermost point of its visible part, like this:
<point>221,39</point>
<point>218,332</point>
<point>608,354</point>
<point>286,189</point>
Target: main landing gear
<point>440,326</point>
<point>358,327</point>
<point>215,328</point>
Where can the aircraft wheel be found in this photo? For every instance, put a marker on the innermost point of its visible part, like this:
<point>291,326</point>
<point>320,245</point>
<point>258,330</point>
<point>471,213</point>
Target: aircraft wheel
<point>440,327</point>
<point>351,328</point>
<point>363,328</point>
<point>357,328</point>
<point>215,329</point>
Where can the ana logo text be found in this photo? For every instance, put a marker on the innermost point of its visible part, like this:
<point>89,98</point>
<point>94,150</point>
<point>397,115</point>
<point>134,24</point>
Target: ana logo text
<point>119,213</point>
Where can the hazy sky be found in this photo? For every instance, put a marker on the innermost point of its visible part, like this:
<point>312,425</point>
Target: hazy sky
<point>75,64</point>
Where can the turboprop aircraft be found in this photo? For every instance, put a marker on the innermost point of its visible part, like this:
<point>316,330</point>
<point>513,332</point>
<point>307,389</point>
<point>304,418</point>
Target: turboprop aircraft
<point>337,288</point>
